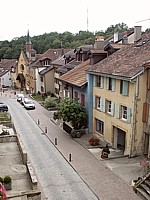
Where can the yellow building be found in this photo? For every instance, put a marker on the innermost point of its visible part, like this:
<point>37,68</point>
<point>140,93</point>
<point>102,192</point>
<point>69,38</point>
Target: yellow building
<point>119,93</point>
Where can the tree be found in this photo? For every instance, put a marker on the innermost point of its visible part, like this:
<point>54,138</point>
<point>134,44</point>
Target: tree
<point>71,111</point>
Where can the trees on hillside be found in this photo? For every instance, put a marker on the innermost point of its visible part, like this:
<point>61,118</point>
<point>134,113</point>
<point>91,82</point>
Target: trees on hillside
<point>41,43</point>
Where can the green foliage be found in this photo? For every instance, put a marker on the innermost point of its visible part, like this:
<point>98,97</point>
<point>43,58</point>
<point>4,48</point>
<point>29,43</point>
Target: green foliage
<point>41,43</point>
<point>71,111</point>
<point>1,180</point>
<point>50,102</point>
<point>7,179</point>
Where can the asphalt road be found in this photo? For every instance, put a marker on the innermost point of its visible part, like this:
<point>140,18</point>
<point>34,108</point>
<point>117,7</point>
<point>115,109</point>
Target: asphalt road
<point>57,178</point>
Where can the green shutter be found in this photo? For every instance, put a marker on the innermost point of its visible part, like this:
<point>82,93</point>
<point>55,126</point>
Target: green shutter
<point>102,82</point>
<point>107,83</point>
<point>128,114</point>
<point>103,105</point>
<point>125,86</point>
<point>113,84</point>
<point>94,81</point>
<point>112,108</point>
<point>117,111</point>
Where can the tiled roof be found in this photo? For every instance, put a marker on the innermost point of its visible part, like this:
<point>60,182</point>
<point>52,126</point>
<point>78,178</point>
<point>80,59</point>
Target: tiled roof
<point>6,64</point>
<point>126,62</point>
<point>44,71</point>
<point>61,60</point>
<point>69,66</point>
<point>77,76</point>
<point>51,54</point>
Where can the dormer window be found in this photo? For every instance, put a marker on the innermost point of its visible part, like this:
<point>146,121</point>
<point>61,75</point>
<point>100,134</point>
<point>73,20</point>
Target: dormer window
<point>47,63</point>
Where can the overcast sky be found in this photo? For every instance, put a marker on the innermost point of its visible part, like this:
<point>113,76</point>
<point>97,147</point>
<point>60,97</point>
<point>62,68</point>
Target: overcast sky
<point>45,16</point>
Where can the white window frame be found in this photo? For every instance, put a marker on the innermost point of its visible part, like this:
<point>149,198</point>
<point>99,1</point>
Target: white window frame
<point>124,113</point>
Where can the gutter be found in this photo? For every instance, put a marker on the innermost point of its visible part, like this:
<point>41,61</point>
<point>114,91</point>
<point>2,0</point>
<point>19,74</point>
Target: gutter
<point>138,74</point>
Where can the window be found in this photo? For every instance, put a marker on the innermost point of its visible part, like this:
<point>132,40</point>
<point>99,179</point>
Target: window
<point>100,104</point>
<point>99,81</point>
<point>22,67</point>
<point>124,112</point>
<point>100,126</point>
<point>124,87</point>
<point>42,89</point>
<point>111,84</point>
<point>110,107</point>
<point>47,63</point>
<point>41,78</point>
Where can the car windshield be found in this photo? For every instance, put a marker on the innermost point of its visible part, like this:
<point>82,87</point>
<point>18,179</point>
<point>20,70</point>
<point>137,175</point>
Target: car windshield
<point>29,102</point>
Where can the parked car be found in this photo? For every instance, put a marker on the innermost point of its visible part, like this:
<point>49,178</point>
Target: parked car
<point>29,104</point>
<point>19,96</point>
<point>23,99</point>
<point>3,107</point>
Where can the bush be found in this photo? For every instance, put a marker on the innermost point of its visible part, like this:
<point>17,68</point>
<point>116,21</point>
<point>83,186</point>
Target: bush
<point>50,102</point>
<point>1,180</point>
<point>7,179</point>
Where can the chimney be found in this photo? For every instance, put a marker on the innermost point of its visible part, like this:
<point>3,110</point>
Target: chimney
<point>116,36</point>
<point>99,42</point>
<point>125,40</point>
<point>137,33</point>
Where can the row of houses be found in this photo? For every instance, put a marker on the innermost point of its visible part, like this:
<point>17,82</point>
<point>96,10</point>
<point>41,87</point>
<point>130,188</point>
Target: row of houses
<point>110,78</point>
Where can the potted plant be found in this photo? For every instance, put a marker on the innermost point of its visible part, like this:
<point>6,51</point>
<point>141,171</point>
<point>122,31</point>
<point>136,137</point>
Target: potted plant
<point>7,183</point>
<point>105,152</point>
<point>94,141</point>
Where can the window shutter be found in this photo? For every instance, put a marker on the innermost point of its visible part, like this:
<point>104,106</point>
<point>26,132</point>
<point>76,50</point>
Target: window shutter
<point>128,114</point>
<point>107,83</point>
<point>113,84</point>
<point>125,86</point>
<point>112,108</point>
<point>94,101</point>
<point>101,104</point>
<point>102,82</point>
<point>94,81</point>
<point>148,79</point>
<point>145,112</point>
<point>103,108</point>
<point>117,111</point>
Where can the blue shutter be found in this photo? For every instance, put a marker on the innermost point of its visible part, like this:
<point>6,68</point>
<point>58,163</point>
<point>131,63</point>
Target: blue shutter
<point>128,115</point>
<point>112,108</point>
<point>117,111</point>
<point>113,84</point>
<point>125,87</point>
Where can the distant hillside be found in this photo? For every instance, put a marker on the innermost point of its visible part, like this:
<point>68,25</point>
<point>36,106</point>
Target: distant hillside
<point>55,40</point>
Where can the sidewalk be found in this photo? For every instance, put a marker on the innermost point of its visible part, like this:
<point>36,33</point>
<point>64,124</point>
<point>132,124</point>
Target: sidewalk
<point>97,173</point>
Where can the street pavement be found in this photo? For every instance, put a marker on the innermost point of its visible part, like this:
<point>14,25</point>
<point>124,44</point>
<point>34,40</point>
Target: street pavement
<point>108,179</point>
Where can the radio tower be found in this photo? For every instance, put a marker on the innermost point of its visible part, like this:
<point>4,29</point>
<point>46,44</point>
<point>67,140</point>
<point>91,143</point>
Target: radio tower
<point>87,20</point>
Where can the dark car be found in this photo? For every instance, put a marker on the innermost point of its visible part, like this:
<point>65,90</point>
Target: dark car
<point>3,108</point>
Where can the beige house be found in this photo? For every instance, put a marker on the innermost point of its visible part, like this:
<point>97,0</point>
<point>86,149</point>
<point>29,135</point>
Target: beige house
<point>119,93</point>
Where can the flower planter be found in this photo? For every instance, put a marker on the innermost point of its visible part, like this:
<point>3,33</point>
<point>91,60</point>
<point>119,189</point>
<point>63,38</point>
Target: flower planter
<point>7,186</point>
<point>94,141</point>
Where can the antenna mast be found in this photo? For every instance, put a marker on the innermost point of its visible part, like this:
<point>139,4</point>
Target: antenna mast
<point>87,20</point>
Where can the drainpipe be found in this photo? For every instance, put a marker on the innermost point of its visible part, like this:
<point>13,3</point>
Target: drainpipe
<point>133,120</point>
